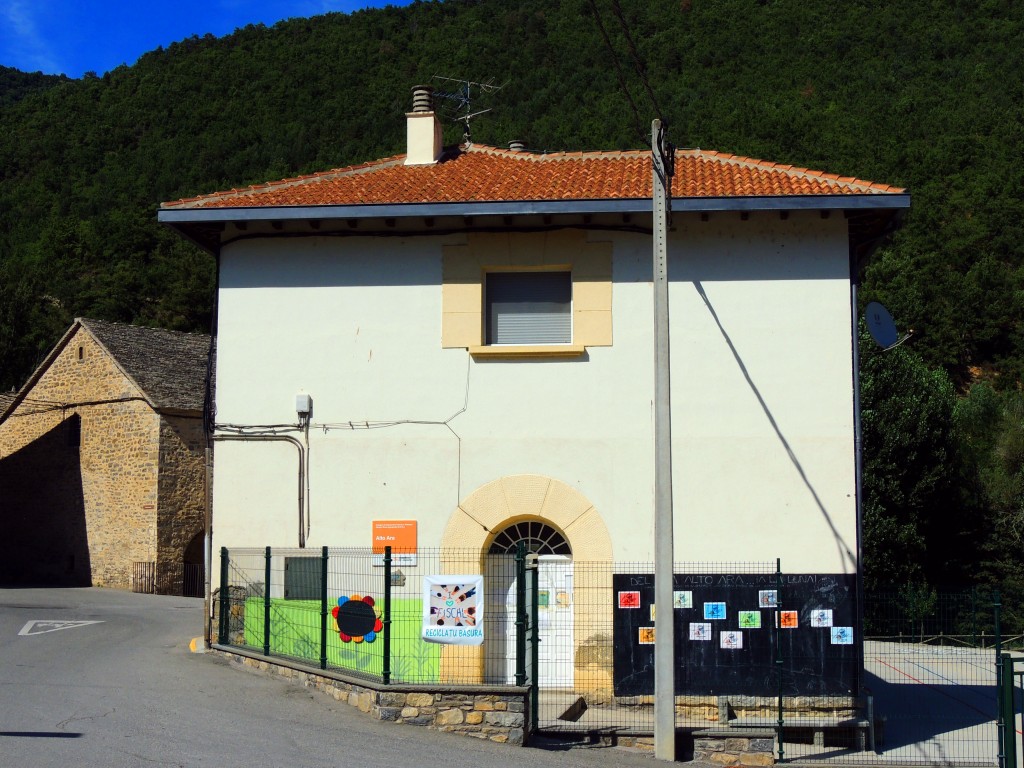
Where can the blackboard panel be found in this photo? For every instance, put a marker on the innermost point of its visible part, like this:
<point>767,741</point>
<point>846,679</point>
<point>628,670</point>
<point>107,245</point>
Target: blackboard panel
<point>818,652</point>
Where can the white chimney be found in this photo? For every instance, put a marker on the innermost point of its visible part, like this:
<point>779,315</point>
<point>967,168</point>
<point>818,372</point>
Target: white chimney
<point>423,129</point>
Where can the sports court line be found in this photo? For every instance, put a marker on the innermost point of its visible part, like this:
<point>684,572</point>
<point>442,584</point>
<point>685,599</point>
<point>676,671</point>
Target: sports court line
<point>967,704</point>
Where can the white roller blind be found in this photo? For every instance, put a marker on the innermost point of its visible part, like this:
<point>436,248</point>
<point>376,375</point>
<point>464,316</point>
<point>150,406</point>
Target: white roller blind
<point>529,308</point>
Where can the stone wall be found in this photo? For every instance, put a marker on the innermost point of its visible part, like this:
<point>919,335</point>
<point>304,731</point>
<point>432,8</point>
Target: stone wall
<point>181,508</point>
<point>109,479</point>
<point>492,714</point>
<point>734,749</point>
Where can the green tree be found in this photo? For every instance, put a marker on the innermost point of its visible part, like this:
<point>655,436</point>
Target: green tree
<point>909,451</point>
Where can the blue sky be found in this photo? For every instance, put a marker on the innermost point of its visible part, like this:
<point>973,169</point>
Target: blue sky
<point>72,37</point>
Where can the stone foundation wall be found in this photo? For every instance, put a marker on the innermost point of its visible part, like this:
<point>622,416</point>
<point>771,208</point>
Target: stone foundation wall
<point>753,749</point>
<point>495,715</point>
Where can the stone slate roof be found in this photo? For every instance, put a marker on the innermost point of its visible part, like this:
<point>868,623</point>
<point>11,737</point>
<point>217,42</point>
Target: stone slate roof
<point>479,173</point>
<point>168,366</point>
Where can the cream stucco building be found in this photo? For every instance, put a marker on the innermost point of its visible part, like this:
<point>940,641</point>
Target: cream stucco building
<point>472,328</point>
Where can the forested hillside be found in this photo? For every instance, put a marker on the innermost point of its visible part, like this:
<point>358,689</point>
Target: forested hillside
<point>927,94</point>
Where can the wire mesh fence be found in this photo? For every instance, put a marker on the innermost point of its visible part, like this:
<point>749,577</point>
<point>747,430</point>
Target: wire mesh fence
<point>353,611</point>
<point>904,678</point>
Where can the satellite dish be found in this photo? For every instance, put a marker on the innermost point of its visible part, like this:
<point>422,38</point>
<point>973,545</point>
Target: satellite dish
<point>880,325</point>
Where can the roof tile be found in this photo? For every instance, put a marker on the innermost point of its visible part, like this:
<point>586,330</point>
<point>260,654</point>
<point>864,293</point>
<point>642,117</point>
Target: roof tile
<point>489,174</point>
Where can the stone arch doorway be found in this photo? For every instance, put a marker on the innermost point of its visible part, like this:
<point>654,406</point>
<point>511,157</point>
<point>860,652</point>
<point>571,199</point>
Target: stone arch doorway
<point>535,507</point>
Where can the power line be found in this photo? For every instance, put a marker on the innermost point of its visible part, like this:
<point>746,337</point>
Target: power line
<point>637,124</point>
<point>637,63</point>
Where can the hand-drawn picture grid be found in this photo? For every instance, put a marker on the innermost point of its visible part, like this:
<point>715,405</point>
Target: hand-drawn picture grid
<point>729,629</point>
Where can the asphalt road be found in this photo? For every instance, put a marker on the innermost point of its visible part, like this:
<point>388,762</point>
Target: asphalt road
<point>126,691</point>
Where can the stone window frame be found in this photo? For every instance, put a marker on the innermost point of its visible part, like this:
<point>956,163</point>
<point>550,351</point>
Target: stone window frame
<point>464,271</point>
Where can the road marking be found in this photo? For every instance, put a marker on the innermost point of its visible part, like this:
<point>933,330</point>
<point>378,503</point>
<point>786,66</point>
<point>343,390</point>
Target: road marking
<point>39,627</point>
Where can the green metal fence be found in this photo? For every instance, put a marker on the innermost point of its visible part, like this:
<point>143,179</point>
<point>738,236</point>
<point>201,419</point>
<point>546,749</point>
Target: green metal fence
<point>905,677</point>
<point>362,613</point>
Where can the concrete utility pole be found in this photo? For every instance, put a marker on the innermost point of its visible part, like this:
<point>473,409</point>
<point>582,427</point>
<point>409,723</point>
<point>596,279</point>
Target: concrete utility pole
<point>664,636</point>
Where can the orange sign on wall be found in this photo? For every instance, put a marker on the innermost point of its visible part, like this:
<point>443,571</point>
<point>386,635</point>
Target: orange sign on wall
<point>400,535</point>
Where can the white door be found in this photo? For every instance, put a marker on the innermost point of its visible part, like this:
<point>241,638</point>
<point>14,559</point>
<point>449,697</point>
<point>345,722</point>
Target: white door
<point>554,621</point>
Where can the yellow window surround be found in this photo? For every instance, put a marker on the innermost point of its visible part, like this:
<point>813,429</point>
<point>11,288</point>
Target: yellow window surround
<point>462,291</point>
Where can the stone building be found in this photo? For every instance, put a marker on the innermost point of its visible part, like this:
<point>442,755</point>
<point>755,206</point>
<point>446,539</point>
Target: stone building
<point>102,470</point>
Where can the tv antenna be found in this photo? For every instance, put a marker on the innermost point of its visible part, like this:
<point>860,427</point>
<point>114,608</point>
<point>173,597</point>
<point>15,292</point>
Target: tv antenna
<point>462,93</point>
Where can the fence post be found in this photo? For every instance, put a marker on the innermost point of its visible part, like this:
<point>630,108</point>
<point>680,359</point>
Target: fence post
<point>778,647</point>
<point>266,603</point>
<point>1001,724</point>
<point>534,646</point>
<point>1006,713</point>
<point>974,616</point>
<point>323,608</point>
<point>521,613</point>
<point>225,604</point>
<point>385,672</point>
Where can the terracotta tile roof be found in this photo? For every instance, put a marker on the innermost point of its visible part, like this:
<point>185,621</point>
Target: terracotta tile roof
<point>487,174</point>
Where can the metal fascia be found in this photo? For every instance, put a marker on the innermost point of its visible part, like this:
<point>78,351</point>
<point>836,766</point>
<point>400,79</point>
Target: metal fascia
<point>526,208</point>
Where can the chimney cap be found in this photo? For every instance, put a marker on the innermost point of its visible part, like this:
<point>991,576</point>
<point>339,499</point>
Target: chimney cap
<point>517,145</point>
<point>422,98</point>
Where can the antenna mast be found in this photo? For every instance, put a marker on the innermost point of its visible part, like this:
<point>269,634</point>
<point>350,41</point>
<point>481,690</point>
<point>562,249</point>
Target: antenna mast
<point>462,96</point>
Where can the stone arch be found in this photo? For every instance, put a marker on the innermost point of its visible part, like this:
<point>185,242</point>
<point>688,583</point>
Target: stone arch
<point>499,503</point>
<point>490,509</point>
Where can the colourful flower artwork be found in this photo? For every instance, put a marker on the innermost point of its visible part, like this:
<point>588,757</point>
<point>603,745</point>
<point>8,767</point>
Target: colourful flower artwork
<point>356,620</point>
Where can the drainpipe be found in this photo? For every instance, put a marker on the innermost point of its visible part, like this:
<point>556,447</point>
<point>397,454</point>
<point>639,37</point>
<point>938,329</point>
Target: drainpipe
<point>302,469</point>
<point>858,459</point>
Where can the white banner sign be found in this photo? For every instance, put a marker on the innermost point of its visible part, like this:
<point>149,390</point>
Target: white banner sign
<point>453,609</point>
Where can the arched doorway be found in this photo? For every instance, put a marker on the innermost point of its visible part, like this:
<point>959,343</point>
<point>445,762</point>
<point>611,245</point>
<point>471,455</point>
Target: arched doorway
<point>490,516</point>
<point>554,597</point>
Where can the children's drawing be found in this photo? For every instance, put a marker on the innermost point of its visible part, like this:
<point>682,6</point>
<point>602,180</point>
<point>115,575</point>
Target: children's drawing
<point>768,598</point>
<point>682,599</point>
<point>731,641</point>
<point>821,617</point>
<point>700,631</point>
<point>629,599</point>
<point>652,611</point>
<point>750,619</point>
<point>789,619</point>
<point>842,635</point>
<point>646,635</point>
<point>715,611</point>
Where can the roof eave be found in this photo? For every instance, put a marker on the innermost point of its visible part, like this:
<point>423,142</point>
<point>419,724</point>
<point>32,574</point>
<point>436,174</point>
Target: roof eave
<point>223,215</point>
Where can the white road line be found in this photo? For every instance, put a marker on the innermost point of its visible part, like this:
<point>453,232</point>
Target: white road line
<point>41,626</point>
